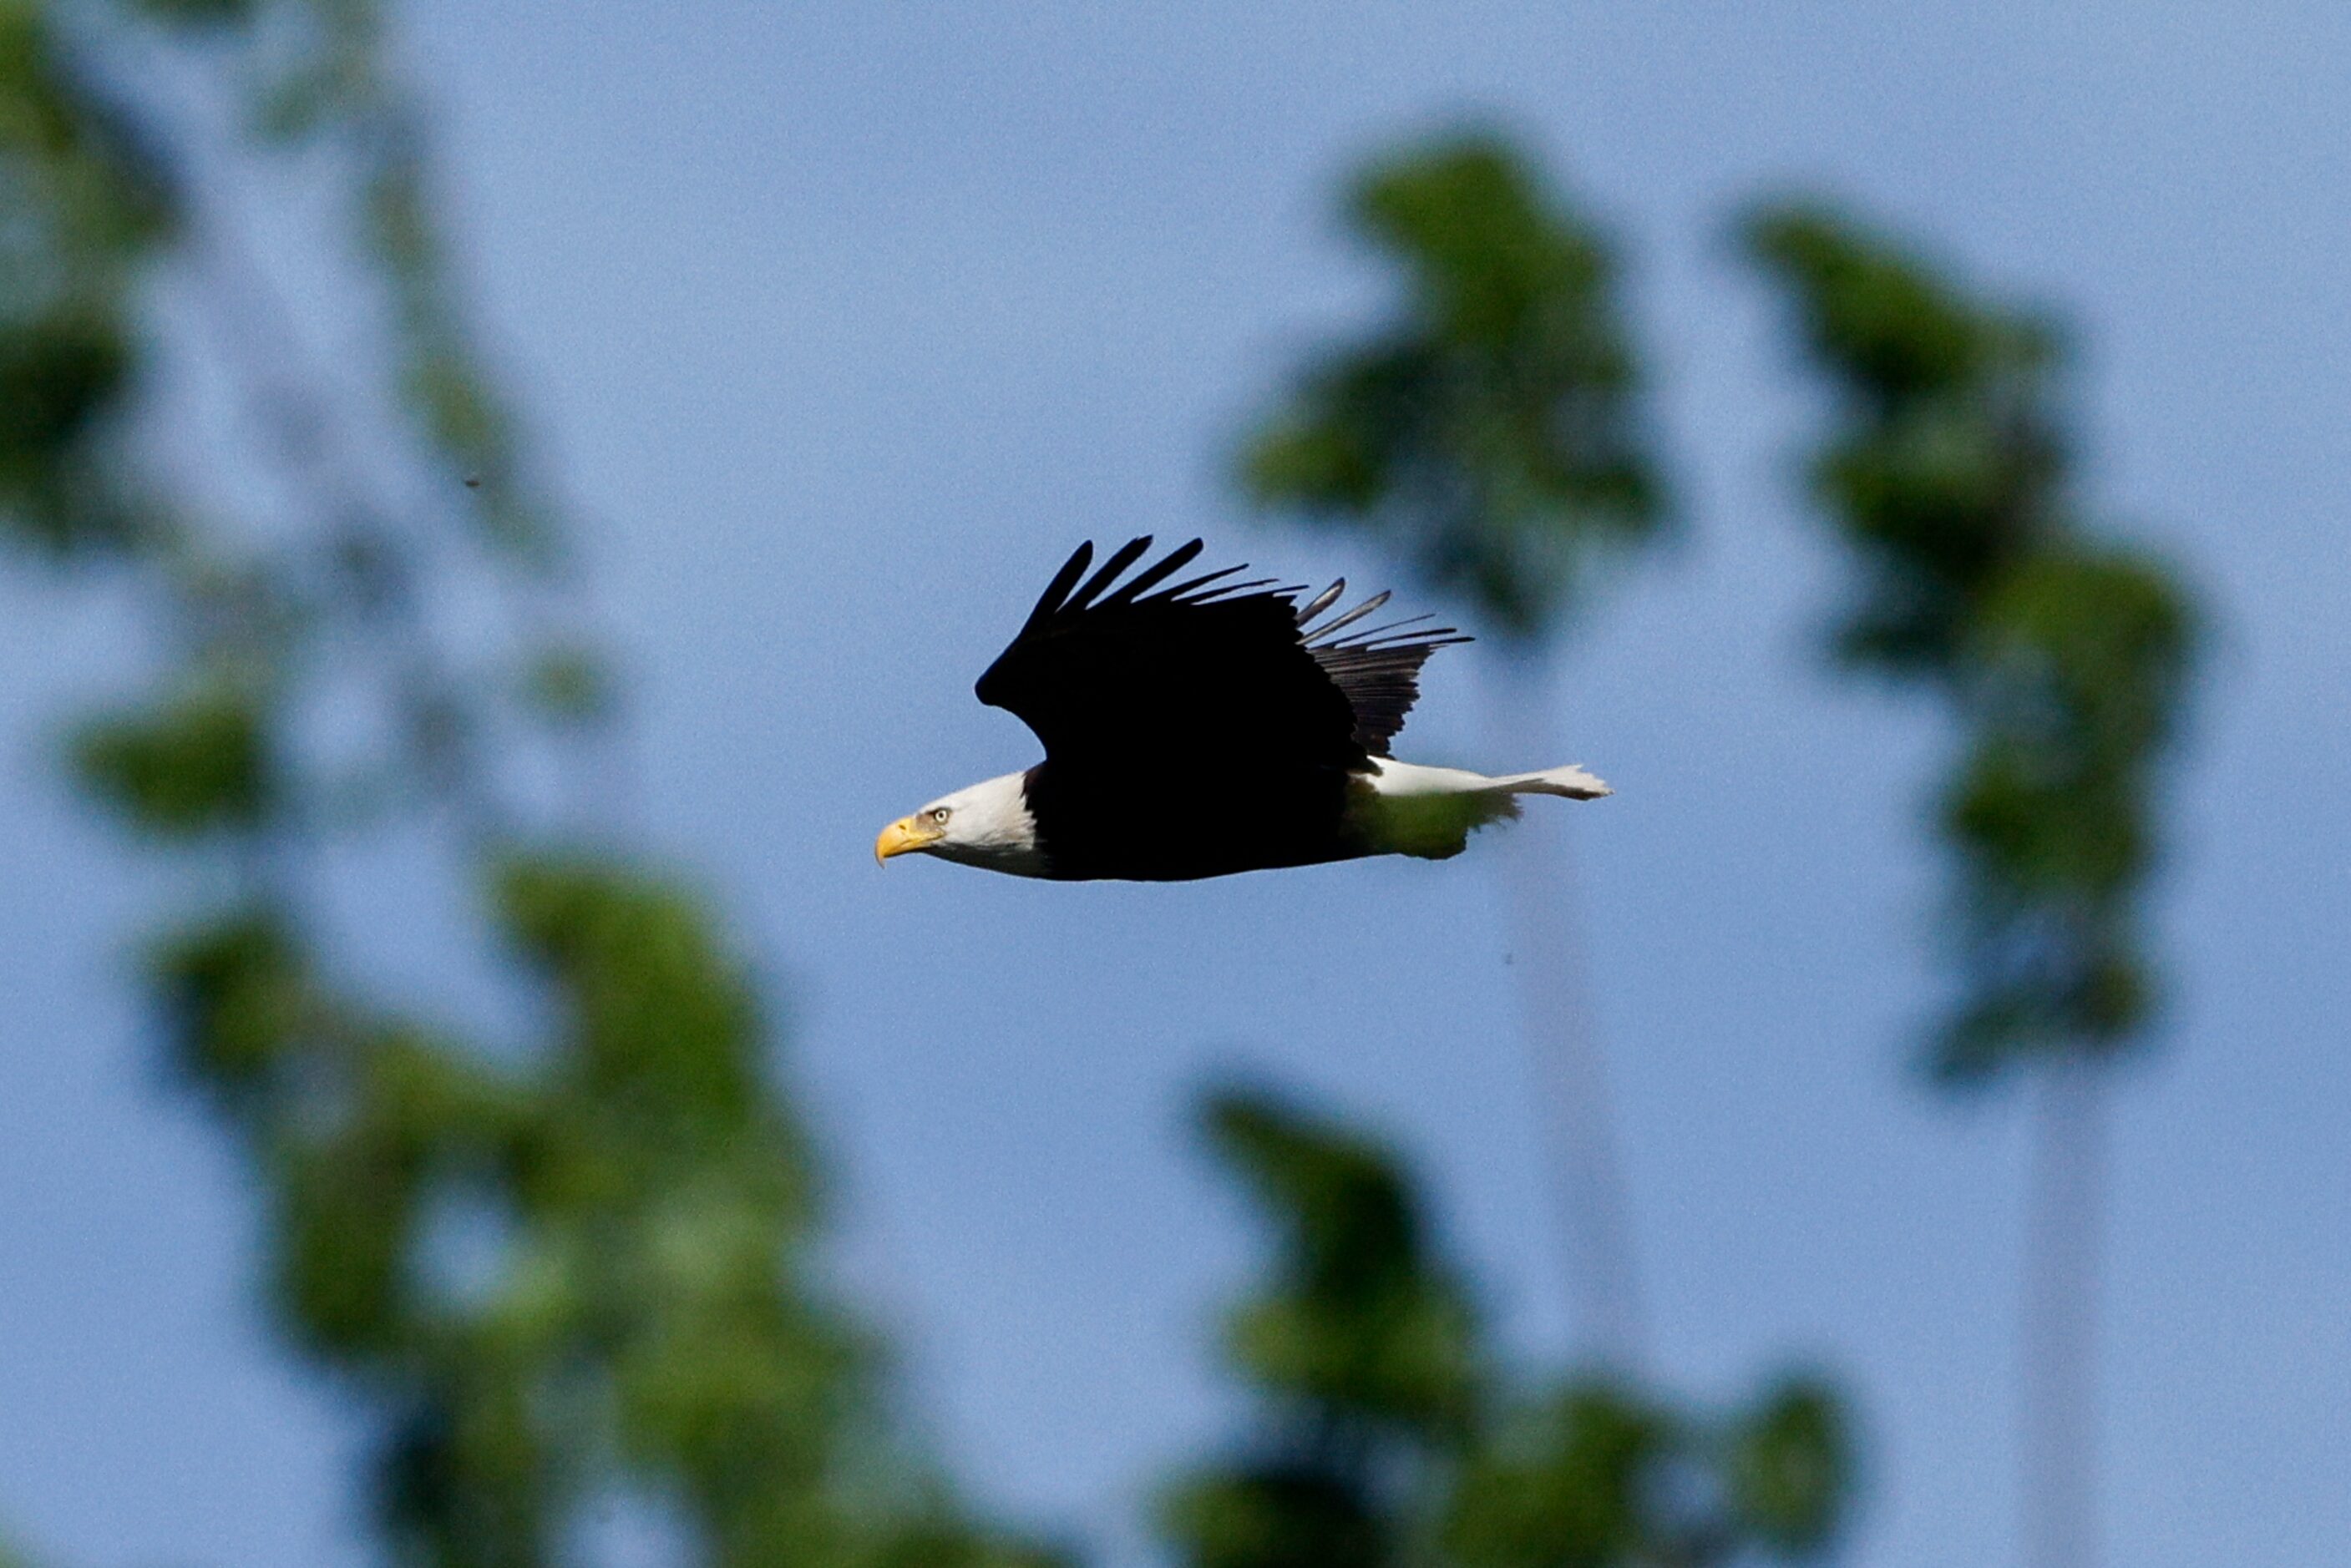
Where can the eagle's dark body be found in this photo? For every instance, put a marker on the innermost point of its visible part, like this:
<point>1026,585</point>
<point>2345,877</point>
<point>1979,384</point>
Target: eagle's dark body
<point>1219,823</point>
<point>1145,696</point>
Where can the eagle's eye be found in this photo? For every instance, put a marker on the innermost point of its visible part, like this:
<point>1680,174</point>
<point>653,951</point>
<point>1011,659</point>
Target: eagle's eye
<point>940,814</point>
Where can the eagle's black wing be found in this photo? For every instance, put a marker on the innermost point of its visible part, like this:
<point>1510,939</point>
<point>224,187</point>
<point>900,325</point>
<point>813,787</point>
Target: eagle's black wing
<point>1140,675</point>
<point>1379,670</point>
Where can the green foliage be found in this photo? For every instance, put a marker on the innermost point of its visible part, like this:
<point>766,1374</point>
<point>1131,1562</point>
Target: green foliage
<point>2084,652</point>
<point>236,1001</point>
<point>191,764</point>
<point>58,374</point>
<point>551,1272</point>
<point>1567,1483</point>
<point>1789,1464</point>
<point>2065,661</point>
<point>83,208</point>
<point>1362,1320</point>
<point>1390,1435</point>
<point>1277,1514</point>
<point>2081,659</point>
<point>1488,430</point>
<point>82,189</point>
<point>1949,468</point>
<point>636,1319</point>
<point>666,1031</point>
<point>1872,310</point>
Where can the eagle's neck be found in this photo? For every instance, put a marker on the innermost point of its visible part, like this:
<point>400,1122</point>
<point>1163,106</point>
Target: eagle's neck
<point>992,827</point>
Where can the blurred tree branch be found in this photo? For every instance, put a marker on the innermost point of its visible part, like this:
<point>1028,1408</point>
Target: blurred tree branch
<point>1390,1434</point>
<point>2064,662</point>
<point>553,1272</point>
<point>1489,432</point>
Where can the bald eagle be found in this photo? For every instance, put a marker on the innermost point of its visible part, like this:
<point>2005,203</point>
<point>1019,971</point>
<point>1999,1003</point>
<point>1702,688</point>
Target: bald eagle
<point>1208,728</point>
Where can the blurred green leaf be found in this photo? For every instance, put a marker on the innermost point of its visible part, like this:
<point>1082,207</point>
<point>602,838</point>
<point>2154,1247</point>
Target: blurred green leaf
<point>65,376</point>
<point>56,374</point>
<point>1789,1469</point>
<point>1949,466</point>
<point>1271,1516</point>
<point>1371,1450</point>
<point>190,764</point>
<point>1359,1318</point>
<point>2065,662</point>
<point>1488,430</point>
<point>1869,308</point>
<point>2087,651</point>
<point>236,999</point>
<point>1563,1486</point>
<point>665,1032</point>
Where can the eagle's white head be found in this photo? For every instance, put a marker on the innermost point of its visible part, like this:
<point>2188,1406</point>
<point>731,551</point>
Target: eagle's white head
<point>986,824</point>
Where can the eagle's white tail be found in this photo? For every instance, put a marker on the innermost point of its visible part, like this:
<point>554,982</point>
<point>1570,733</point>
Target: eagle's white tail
<point>1571,781</point>
<point>1431,811</point>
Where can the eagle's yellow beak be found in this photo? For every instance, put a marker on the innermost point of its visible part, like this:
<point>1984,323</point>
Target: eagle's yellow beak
<point>905,836</point>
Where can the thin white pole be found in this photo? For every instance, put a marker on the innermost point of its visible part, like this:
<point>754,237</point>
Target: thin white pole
<point>1583,1155</point>
<point>2058,1403</point>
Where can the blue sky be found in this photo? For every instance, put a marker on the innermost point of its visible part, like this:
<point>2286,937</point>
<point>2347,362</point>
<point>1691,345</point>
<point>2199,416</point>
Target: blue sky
<point>844,323</point>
